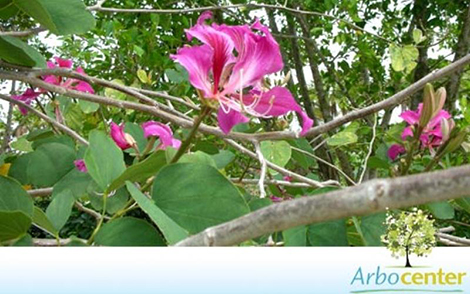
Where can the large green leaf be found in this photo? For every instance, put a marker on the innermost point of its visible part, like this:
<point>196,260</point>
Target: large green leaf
<point>342,138</point>
<point>128,231</point>
<point>171,230</point>
<point>296,236</point>
<point>104,160</point>
<point>197,196</point>
<point>13,224</point>
<point>372,228</point>
<point>331,233</point>
<point>277,152</point>
<point>16,51</point>
<point>464,203</point>
<point>7,9</point>
<point>75,181</point>
<point>441,210</point>
<point>198,157</point>
<point>59,210</point>
<point>140,171</point>
<point>14,198</point>
<point>61,17</point>
<point>115,201</point>
<point>49,163</point>
<point>41,221</point>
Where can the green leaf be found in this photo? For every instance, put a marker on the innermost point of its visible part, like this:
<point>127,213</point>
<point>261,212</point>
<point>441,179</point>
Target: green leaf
<point>49,163</point>
<point>223,158</point>
<point>403,57</point>
<point>342,138</point>
<point>7,9</point>
<point>140,171</point>
<point>22,144</point>
<point>396,57</point>
<point>464,203</point>
<point>138,50</point>
<point>61,17</point>
<point>142,75</point>
<point>197,157</point>
<point>115,94</point>
<point>19,168</point>
<point>172,231</point>
<point>177,75</point>
<point>14,198</point>
<point>75,181</point>
<point>441,210</point>
<point>331,233</point>
<point>375,162</point>
<point>128,231</point>
<point>137,133</point>
<point>26,240</point>
<point>418,36</point>
<point>104,160</point>
<point>202,198</point>
<point>16,51</point>
<point>13,224</point>
<point>296,236</point>
<point>115,201</point>
<point>59,210</point>
<point>41,221</point>
<point>87,106</point>
<point>277,152</point>
<point>373,227</point>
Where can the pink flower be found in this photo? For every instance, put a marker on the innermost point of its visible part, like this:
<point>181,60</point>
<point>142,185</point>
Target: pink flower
<point>287,178</point>
<point>395,150</point>
<point>80,165</point>
<point>163,132</point>
<point>28,96</point>
<point>276,199</point>
<point>432,133</point>
<point>235,81</point>
<point>73,84</point>
<point>122,139</point>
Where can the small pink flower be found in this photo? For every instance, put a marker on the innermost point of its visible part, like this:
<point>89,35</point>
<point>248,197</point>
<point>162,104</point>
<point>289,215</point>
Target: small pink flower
<point>80,165</point>
<point>73,84</point>
<point>287,178</point>
<point>395,150</point>
<point>276,199</point>
<point>122,139</point>
<point>432,133</point>
<point>235,80</point>
<point>28,96</point>
<point>163,132</point>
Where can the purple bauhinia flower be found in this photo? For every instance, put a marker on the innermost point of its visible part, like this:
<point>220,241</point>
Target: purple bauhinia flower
<point>163,132</point>
<point>80,165</point>
<point>234,81</point>
<point>123,140</point>
<point>69,83</point>
<point>28,96</point>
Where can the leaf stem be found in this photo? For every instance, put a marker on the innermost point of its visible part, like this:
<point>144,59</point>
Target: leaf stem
<point>100,222</point>
<point>206,110</point>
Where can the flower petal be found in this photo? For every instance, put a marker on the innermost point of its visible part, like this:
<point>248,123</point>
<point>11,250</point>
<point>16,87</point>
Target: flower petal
<point>407,132</point>
<point>276,102</point>
<point>80,165</point>
<point>118,135</point>
<point>197,60</point>
<point>395,150</point>
<point>67,63</point>
<point>157,129</point>
<point>221,45</point>
<point>228,120</point>
<point>259,56</point>
<point>410,116</point>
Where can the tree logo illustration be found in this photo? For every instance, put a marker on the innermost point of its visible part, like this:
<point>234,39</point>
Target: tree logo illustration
<point>409,232</point>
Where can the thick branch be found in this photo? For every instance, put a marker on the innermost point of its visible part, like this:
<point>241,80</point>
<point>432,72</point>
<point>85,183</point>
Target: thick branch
<point>370,197</point>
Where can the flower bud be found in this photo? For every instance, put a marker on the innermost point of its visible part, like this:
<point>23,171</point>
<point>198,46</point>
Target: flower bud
<point>439,100</point>
<point>446,128</point>
<point>455,142</point>
<point>428,106</point>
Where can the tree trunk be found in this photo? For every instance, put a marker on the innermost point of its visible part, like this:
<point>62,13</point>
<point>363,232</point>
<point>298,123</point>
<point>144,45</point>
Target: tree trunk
<point>407,257</point>
<point>420,17</point>
<point>462,48</point>
<point>325,170</point>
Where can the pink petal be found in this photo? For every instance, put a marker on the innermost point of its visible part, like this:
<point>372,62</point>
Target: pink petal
<point>51,64</point>
<point>221,45</point>
<point>197,60</point>
<point>157,129</point>
<point>80,165</point>
<point>118,135</point>
<point>28,96</point>
<point>436,120</point>
<point>67,63</point>
<point>84,87</point>
<point>395,150</point>
<point>260,56</point>
<point>228,120</point>
<point>407,132</point>
<point>204,16</point>
<point>410,116</point>
<point>276,102</point>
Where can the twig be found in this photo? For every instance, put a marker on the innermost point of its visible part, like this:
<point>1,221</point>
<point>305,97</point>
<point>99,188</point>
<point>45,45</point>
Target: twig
<point>371,149</point>
<point>46,118</point>
<point>368,198</point>
<point>26,33</point>
<point>40,192</point>
<point>272,182</point>
<point>54,242</point>
<point>325,162</point>
<point>89,211</point>
<point>453,238</point>
<point>262,176</point>
<point>6,137</point>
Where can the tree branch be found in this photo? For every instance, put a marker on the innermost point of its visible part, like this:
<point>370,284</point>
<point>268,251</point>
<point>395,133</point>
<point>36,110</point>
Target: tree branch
<point>370,197</point>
